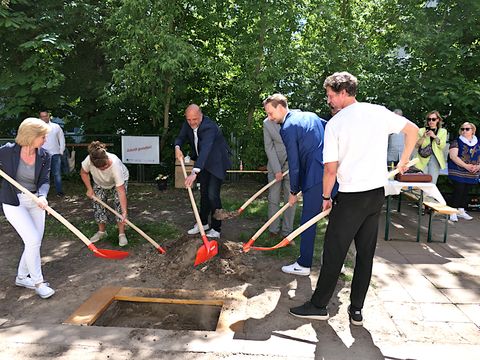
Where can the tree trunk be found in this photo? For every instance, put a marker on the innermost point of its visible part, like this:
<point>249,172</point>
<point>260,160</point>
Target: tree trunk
<point>258,66</point>
<point>166,111</point>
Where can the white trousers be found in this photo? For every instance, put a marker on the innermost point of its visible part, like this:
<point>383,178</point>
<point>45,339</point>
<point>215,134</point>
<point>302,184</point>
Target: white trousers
<point>29,222</point>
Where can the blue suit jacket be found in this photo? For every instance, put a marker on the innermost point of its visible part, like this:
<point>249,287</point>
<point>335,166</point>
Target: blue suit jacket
<point>9,159</point>
<point>302,134</point>
<point>213,150</point>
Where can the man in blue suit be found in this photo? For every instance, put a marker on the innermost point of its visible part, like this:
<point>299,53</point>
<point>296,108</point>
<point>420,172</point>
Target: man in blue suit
<point>211,154</point>
<point>302,134</point>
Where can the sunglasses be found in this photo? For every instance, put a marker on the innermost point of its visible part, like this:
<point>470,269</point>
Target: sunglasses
<point>432,119</point>
<point>465,129</point>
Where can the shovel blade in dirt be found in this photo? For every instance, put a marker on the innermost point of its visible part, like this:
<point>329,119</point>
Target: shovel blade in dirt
<point>208,250</point>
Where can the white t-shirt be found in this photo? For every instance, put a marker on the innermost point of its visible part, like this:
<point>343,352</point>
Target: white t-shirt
<point>115,175</point>
<point>357,137</point>
<point>55,142</point>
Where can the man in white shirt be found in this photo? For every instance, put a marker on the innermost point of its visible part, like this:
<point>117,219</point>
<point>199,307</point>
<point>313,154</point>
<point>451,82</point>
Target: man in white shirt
<point>355,152</point>
<point>55,145</point>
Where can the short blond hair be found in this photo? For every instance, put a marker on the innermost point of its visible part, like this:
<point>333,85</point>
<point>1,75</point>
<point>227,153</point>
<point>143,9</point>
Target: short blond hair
<point>471,125</point>
<point>31,129</point>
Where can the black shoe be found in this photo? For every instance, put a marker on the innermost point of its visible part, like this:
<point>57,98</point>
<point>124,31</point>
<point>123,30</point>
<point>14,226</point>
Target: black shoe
<point>310,311</point>
<point>355,317</point>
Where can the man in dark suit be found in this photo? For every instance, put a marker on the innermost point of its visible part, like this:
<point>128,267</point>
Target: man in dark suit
<point>302,134</point>
<point>211,154</point>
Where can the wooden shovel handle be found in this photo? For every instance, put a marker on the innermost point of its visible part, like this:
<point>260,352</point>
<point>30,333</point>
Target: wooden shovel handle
<point>48,209</point>
<point>272,219</point>
<point>254,196</point>
<point>194,205</point>
<point>132,225</point>
<point>396,171</point>
<point>309,223</point>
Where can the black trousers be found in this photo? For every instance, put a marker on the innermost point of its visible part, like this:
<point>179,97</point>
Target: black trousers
<point>354,216</point>
<point>460,194</point>
<point>209,198</point>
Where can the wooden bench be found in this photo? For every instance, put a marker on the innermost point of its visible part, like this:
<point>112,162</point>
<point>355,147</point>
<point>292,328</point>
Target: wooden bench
<point>430,207</point>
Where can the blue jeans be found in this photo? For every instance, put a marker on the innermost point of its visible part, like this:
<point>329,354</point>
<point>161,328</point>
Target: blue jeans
<point>56,171</point>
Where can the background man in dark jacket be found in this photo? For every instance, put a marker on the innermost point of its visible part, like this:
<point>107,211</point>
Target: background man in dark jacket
<point>211,154</point>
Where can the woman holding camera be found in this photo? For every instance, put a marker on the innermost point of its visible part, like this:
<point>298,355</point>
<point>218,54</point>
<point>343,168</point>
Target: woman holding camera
<point>431,141</point>
<point>463,168</point>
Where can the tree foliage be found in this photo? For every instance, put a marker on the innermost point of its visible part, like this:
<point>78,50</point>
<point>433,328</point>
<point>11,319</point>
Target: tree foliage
<point>136,64</point>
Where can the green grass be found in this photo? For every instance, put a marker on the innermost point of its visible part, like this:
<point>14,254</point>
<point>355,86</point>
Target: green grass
<point>157,231</point>
<point>258,208</point>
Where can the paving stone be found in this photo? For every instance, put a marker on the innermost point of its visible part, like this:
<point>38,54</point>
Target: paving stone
<point>462,296</point>
<point>472,311</point>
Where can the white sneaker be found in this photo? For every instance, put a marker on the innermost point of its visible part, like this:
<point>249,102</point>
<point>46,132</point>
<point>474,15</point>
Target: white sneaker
<point>463,214</point>
<point>454,217</point>
<point>122,240</point>
<point>98,235</point>
<point>196,230</point>
<point>212,233</point>
<point>26,282</point>
<point>44,291</point>
<point>296,269</point>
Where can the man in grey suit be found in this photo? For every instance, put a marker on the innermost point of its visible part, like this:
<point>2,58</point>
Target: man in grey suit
<point>277,165</point>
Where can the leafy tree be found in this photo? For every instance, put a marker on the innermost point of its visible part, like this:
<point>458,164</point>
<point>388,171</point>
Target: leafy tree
<point>150,54</point>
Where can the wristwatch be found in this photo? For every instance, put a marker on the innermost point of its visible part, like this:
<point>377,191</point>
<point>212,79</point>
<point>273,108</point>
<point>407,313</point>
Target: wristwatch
<point>326,197</point>
<point>294,193</point>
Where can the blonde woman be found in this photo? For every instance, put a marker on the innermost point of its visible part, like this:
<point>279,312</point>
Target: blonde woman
<point>463,168</point>
<point>29,164</point>
<point>110,177</point>
<point>431,141</point>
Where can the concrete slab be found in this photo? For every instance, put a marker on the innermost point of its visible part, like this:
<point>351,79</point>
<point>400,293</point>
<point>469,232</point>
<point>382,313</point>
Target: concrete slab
<point>462,296</point>
<point>448,280</point>
<point>472,311</point>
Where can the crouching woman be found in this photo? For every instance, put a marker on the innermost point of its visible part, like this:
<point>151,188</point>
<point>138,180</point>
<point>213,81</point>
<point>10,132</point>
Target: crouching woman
<point>110,177</point>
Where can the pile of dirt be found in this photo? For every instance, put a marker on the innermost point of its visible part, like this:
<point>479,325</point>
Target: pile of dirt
<point>177,263</point>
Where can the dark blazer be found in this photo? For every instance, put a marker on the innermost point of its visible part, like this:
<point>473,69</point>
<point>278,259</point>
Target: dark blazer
<point>9,159</point>
<point>213,150</point>
<point>302,133</point>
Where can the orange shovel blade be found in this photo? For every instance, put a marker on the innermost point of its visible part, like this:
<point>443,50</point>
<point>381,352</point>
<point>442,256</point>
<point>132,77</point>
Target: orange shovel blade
<point>207,251</point>
<point>108,254</point>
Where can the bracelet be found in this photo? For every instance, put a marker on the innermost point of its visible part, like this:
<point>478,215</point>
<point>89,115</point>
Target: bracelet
<point>293,193</point>
<point>326,197</point>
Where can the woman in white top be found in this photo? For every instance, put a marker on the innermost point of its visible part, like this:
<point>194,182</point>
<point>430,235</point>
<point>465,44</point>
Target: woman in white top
<point>110,176</point>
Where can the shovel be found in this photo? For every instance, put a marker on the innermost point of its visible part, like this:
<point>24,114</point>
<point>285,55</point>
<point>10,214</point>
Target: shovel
<point>103,253</point>
<point>137,229</point>
<point>292,235</point>
<point>248,245</point>
<point>209,248</point>
<point>222,214</point>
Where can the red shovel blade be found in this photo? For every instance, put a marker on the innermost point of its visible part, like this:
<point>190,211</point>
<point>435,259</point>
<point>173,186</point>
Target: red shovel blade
<point>207,251</point>
<point>108,254</point>
<point>247,246</point>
